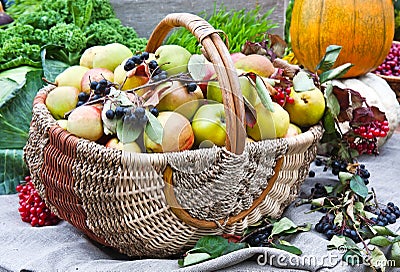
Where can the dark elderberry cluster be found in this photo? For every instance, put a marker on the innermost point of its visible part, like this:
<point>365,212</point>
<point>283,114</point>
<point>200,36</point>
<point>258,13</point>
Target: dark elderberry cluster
<point>260,237</point>
<point>338,166</point>
<point>386,216</point>
<point>135,60</point>
<point>327,226</point>
<point>98,89</point>
<point>363,173</point>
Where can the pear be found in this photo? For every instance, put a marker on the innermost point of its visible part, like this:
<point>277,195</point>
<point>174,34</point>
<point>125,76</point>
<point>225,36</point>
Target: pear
<point>248,90</point>
<point>62,100</point>
<point>88,55</point>
<point>111,55</point>
<point>71,76</point>
<point>255,63</point>
<point>173,58</point>
<point>269,125</point>
<point>308,107</point>
<point>178,98</point>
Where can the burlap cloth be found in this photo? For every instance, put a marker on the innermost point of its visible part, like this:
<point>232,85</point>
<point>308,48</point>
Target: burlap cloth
<point>63,248</point>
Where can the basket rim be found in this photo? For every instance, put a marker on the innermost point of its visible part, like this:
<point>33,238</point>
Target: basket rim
<point>293,140</point>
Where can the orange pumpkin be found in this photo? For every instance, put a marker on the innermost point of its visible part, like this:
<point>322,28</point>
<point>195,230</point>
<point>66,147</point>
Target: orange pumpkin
<point>364,29</point>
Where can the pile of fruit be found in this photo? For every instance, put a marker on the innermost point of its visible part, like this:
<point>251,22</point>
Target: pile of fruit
<point>171,100</point>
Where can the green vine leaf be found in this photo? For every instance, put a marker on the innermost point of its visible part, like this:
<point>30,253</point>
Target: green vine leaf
<point>395,253</point>
<point>264,95</point>
<point>153,128</point>
<point>330,57</point>
<point>282,225</point>
<point>331,100</point>
<point>335,73</point>
<point>358,186</point>
<point>286,246</point>
<point>380,241</point>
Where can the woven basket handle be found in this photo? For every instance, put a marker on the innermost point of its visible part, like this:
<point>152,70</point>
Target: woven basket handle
<point>219,55</point>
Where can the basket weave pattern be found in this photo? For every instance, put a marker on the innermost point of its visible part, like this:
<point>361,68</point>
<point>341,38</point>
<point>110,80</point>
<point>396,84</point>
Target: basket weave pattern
<point>158,205</point>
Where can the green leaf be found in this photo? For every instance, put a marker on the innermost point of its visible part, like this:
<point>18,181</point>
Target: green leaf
<point>194,258</point>
<point>336,242</point>
<point>358,186</point>
<point>56,63</point>
<point>264,95</point>
<point>380,241</point>
<point>378,259</point>
<point>329,59</point>
<point>335,73</point>
<point>16,74</point>
<point>331,100</point>
<point>302,82</point>
<point>12,170</point>
<point>16,112</point>
<point>154,129</point>
<point>8,90</point>
<point>282,225</point>
<point>286,246</point>
<point>128,129</point>
<point>329,122</point>
<point>215,246</point>
<point>353,257</point>
<point>384,231</point>
<point>345,176</point>
<point>395,253</point>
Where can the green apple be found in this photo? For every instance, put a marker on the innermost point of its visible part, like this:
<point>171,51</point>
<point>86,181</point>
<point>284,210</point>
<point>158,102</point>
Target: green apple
<point>178,98</point>
<point>308,107</point>
<point>177,134</point>
<point>248,90</point>
<point>172,58</point>
<point>62,100</point>
<point>209,125</point>
<point>111,55</point>
<point>71,76</point>
<point>269,125</point>
<point>85,122</point>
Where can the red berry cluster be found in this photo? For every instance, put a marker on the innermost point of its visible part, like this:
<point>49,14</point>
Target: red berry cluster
<point>282,95</point>
<point>366,136</point>
<point>391,64</point>
<point>32,208</point>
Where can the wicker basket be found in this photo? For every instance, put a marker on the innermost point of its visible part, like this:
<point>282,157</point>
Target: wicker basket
<point>393,81</point>
<point>158,205</point>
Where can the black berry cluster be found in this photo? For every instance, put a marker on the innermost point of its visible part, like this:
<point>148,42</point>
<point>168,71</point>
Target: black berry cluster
<point>135,60</point>
<point>98,89</point>
<point>260,238</point>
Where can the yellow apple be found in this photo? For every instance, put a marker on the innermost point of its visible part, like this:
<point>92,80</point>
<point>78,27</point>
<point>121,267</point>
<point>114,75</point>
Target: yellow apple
<point>71,76</point>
